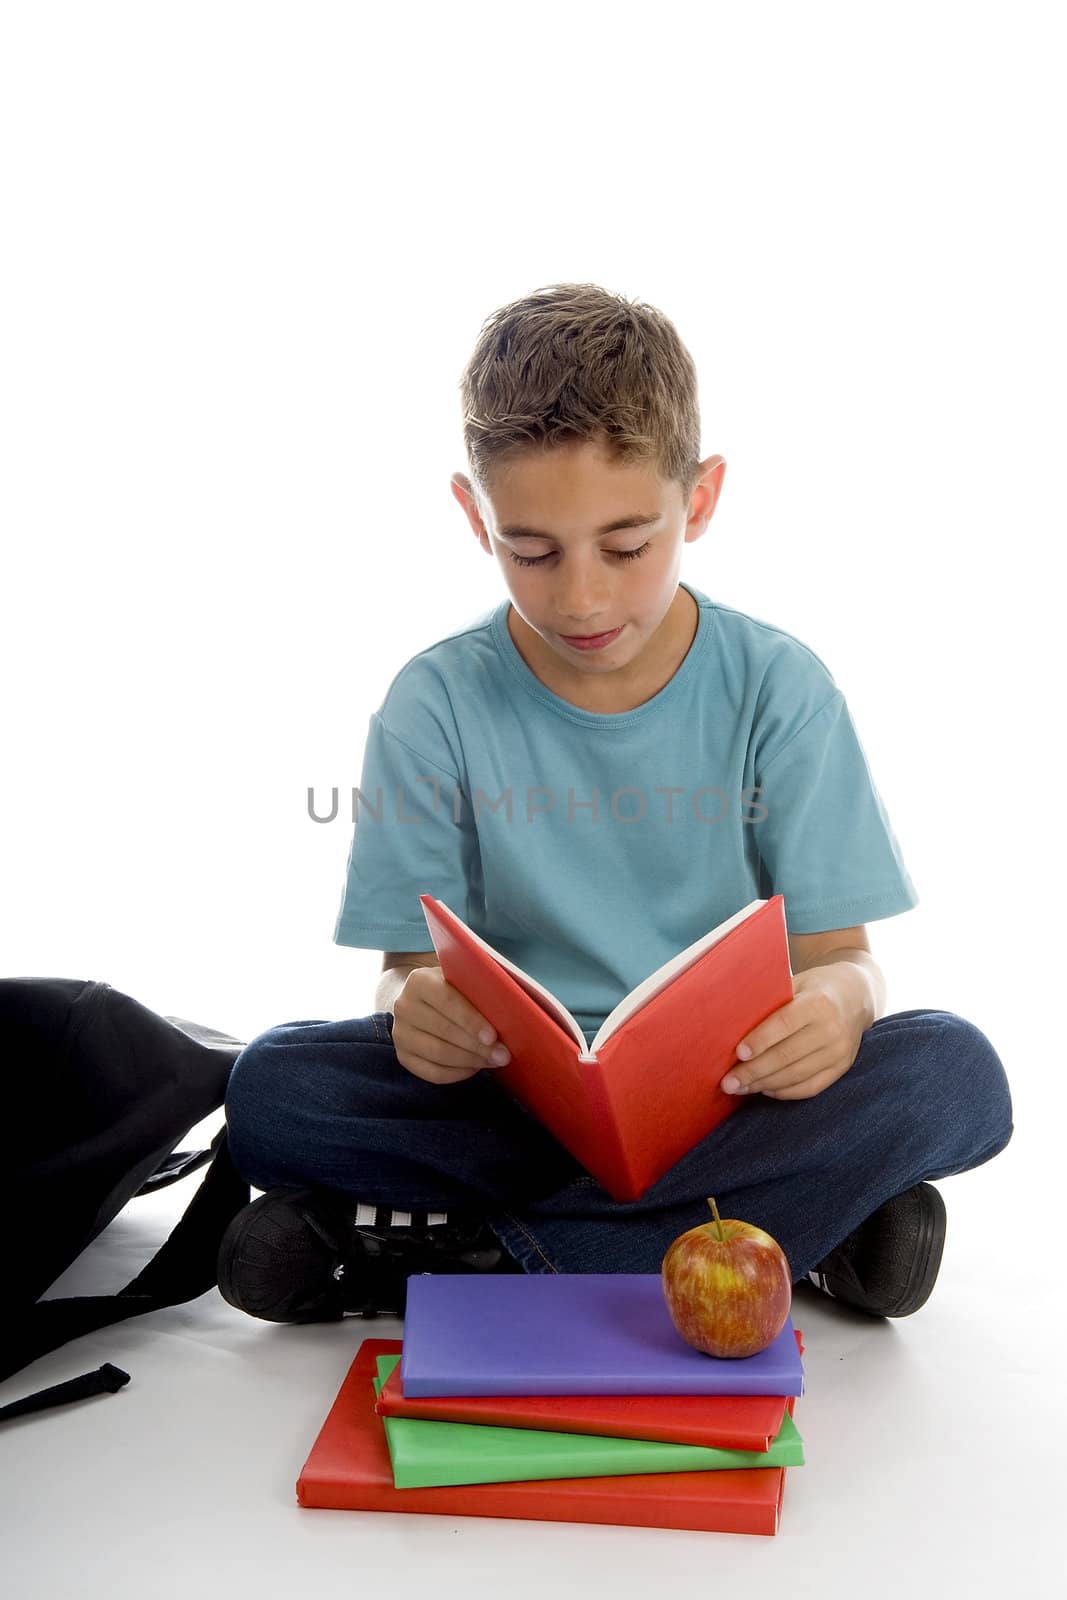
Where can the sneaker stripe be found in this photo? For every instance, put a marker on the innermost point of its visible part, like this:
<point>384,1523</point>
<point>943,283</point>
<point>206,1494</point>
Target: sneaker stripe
<point>375,1216</point>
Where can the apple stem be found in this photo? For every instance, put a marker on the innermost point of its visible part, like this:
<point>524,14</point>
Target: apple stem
<point>718,1221</point>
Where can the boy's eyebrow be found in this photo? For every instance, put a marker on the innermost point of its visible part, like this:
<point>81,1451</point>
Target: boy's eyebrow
<point>515,531</point>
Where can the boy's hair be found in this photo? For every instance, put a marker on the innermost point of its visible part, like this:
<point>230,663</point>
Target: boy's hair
<point>572,361</point>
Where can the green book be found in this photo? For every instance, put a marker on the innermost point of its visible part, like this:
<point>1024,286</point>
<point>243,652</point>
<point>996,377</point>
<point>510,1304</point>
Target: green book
<point>427,1453</point>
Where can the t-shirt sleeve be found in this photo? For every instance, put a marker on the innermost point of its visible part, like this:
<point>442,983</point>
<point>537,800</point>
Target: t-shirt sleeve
<point>405,842</point>
<point>826,842</point>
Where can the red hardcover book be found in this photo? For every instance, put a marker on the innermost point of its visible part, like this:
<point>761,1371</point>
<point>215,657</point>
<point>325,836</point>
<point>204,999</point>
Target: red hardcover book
<point>646,1090</point>
<point>349,1469</point>
<point>725,1422</point>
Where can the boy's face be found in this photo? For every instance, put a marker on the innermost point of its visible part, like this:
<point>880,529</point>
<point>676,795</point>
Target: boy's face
<point>583,580</point>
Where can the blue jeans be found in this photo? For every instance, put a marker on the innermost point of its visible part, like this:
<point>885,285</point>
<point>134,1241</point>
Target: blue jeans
<point>328,1104</point>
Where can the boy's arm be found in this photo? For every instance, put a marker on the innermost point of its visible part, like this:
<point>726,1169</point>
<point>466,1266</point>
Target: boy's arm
<point>396,964</point>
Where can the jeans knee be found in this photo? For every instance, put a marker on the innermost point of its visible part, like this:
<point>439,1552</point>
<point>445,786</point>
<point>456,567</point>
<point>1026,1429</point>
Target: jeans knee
<point>291,1087</point>
<point>251,1072</point>
<point>252,1094</point>
<point>977,1074</point>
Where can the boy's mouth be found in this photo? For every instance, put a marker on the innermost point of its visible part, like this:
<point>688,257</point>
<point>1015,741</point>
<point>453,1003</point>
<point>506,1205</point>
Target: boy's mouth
<point>591,641</point>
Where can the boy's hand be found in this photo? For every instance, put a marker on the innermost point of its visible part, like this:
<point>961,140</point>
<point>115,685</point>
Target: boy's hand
<point>436,1031</point>
<point>805,1046</point>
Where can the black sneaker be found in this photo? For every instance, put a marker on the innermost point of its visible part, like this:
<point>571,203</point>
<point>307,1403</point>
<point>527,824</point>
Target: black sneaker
<point>313,1255</point>
<point>888,1266</point>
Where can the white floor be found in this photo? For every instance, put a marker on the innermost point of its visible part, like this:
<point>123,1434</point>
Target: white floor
<point>933,1453</point>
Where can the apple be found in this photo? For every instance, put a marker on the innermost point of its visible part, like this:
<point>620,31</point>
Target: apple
<point>728,1287</point>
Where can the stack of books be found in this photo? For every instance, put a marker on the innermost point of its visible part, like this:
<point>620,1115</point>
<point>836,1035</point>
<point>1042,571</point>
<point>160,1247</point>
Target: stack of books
<point>559,1397</point>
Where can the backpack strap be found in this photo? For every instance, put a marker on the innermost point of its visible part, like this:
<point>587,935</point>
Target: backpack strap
<point>105,1380</point>
<point>185,1266</point>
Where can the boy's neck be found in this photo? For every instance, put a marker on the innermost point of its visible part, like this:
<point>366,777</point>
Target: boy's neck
<point>626,689</point>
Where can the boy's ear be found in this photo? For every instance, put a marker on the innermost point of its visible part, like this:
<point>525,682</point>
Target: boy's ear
<point>463,490</point>
<point>705,497</point>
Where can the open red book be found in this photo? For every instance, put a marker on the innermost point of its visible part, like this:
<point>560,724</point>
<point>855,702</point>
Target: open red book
<point>646,1089</point>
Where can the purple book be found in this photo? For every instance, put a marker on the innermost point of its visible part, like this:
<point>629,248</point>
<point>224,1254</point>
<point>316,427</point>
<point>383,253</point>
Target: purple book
<point>569,1333</point>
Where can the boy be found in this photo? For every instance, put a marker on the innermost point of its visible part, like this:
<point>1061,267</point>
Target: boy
<point>592,775</point>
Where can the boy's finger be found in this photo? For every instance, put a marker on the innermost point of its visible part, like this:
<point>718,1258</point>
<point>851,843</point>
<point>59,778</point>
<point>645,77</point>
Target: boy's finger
<point>473,1030</point>
<point>764,1070</point>
<point>751,1082</point>
<point>796,1073</point>
<point>446,1014</point>
<point>482,1037</point>
<point>461,1027</point>
<point>430,1072</point>
<point>810,1086</point>
<point>445,1045</point>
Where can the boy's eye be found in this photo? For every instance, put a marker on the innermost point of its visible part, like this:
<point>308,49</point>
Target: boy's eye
<point>620,555</point>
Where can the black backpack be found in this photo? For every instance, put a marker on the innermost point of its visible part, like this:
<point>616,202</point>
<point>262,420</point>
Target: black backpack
<point>97,1092</point>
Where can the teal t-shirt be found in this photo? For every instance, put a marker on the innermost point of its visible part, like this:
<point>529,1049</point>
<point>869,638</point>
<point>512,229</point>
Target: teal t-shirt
<point>590,847</point>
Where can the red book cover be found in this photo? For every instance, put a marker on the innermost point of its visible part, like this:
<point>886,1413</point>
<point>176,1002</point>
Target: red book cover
<point>725,1422</point>
<point>646,1090</point>
<point>349,1469</point>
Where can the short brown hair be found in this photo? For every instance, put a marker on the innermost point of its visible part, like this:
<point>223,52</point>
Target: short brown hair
<point>573,361</point>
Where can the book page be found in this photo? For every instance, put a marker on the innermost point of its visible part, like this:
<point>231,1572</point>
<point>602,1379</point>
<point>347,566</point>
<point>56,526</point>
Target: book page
<point>665,975</point>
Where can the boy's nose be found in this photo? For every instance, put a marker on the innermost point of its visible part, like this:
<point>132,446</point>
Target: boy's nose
<point>582,603</point>
<point>583,614</point>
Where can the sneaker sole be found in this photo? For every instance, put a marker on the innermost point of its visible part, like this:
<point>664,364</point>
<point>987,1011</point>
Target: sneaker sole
<point>929,1249</point>
<point>925,1245</point>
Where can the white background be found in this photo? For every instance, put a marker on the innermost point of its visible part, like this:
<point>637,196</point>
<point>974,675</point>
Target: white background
<point>248,250</point>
